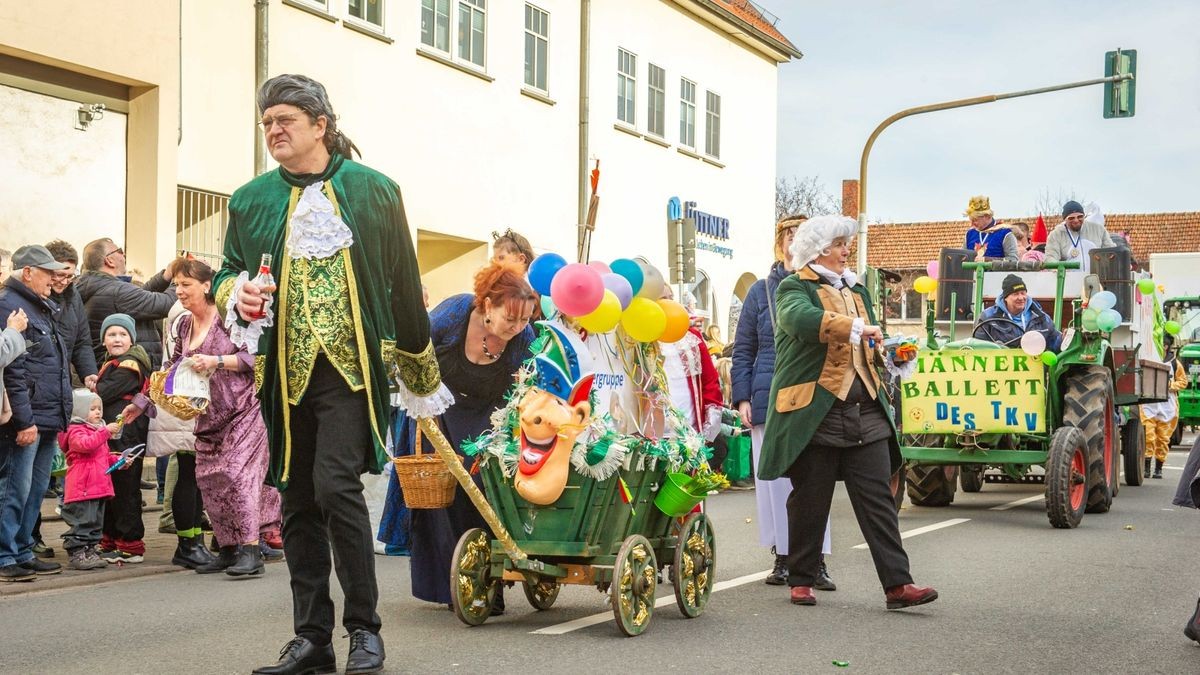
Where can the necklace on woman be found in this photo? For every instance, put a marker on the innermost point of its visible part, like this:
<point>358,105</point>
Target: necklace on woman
<point>487,352</point>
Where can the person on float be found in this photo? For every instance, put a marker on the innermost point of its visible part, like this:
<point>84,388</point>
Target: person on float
<point>1075,236</point>
<point>1015,314</point>
<point>343,326</point>
<point>828,417</point>
<point>987,238</point>
<point>753,368</point>
<point>692,380</point>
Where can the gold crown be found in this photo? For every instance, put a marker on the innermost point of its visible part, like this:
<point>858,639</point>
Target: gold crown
<point>979,205</point>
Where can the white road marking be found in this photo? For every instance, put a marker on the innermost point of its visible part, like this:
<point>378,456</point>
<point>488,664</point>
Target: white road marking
<point>923,530</point>
<point>1013,505</point>
<point>584,622</point>
<point>1173,468</point>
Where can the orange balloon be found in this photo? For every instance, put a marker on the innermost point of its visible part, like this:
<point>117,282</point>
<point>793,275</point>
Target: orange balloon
<point>678,321</point>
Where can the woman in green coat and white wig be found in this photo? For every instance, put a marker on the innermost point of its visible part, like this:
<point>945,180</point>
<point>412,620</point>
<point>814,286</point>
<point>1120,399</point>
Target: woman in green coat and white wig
<point>828,417</point>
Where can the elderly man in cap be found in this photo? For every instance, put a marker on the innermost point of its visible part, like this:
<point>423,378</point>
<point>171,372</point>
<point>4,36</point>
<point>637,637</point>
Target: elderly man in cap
<point>987,238</point>
<point>1066,242</point>
<point>1014,315</point>
<point>39,390</point>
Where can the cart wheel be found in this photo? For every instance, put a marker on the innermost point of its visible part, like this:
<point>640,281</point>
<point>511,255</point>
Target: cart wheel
<point>1066,478</point>
<point>695,569</point>
<point>542,594</point>
<point>635,574</point>
<point>471,583</point>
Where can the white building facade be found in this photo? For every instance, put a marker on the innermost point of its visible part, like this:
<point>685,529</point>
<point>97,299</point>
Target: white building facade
<point>477,108</point>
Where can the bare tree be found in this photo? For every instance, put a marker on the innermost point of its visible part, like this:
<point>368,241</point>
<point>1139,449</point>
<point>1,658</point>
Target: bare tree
<point>803,195</point>
<point>1050,202</point>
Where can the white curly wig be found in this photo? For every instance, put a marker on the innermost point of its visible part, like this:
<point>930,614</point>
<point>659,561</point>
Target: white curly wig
<point>815,235</point>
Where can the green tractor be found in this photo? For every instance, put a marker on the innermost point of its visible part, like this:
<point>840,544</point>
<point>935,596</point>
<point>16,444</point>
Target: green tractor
<point>1186,312</point>
<point>976,411</point>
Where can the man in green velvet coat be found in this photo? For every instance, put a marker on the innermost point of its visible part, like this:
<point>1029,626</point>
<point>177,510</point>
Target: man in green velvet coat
<point>828,416</point>
<point>344,324</point>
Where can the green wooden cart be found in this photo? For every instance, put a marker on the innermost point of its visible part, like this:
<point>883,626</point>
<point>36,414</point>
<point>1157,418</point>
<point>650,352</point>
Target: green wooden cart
<point>590,536</point>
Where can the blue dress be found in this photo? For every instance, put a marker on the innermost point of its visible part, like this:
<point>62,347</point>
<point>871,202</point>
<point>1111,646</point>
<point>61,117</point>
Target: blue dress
<point>478,391</point>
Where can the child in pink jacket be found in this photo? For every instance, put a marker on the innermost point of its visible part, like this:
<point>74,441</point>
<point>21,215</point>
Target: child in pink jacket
<point>85,444</point>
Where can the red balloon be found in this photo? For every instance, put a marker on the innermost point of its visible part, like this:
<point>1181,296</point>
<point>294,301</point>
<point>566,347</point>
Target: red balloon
<point>577,290</point>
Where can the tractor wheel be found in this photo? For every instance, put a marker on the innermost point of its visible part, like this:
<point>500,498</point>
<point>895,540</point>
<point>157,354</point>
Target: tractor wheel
<point>932,485</point>
<point>1133,448</point>
<point>1176,436</point>
<point>1066,478</point>
<point>1088,406</point>
<point>971,478</point>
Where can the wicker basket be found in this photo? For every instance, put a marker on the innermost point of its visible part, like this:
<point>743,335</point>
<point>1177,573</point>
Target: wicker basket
<point>425,479</point>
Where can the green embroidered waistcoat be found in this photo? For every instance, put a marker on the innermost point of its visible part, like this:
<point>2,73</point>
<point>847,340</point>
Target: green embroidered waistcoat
<point>320,289</point>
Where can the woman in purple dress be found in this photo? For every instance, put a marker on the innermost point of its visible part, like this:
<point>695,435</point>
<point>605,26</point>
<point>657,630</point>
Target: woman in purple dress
<point>231,440</point>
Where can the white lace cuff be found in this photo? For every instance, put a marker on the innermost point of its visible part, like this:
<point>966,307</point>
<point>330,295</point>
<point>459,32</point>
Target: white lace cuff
<point>246,336</point>
<point>856,330</point>
<point>422,406</point>
<point>712,423</point>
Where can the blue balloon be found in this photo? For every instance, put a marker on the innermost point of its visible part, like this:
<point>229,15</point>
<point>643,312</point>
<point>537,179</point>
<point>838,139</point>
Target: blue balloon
<point>1103,300</point>
<point>631,271</point>
<point>542,271</point>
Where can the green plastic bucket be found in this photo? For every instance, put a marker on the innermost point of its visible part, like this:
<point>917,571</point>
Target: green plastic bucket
<point>672,499</point>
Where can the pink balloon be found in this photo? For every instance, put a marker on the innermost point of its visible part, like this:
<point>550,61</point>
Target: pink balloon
<point>931,268</point>
<point>577,290</point>
<point>600,267</point>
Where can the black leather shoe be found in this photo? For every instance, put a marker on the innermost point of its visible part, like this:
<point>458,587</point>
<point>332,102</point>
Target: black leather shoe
<point>227,557</point>
<point>302,657</point>
<point>1192,629</point>
<point>823,582</point>
<point>190,553</point>
<point>779,574</point>
<point>366,653</point>
<point>249,562</point>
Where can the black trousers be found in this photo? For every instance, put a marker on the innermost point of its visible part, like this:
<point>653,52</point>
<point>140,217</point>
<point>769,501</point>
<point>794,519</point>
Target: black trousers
<point>123,514</point>
<point>865,470</point>
<point>186,505</point>
<point>323,507</point>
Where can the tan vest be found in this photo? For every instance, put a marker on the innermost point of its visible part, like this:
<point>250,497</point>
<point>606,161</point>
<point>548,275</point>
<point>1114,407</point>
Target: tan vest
<point>845,302</point>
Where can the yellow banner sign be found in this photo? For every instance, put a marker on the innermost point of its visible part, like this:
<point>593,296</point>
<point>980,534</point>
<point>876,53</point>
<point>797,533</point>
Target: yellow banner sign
<point>989,390</point>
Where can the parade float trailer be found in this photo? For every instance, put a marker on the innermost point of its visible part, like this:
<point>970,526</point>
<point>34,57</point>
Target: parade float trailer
<point>976,411</point>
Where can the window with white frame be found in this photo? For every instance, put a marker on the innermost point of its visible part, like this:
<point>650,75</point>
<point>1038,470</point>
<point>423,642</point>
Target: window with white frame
<point>537,40</point>
<point>687,113</point>
<point>656,101</point>
<point>626,87</point>
<point>435,24</point>
<point>712,127</point>
<point>368,11</point>
<point>472,29</point>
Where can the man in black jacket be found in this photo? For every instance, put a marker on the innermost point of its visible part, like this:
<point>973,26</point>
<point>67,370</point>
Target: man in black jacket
<point>73,321</point>
<point>39,391</point>
<point>106,290</point>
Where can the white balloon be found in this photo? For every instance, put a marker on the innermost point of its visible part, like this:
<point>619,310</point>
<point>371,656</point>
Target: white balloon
<point>1033,343</point>
<point>1103,300</point>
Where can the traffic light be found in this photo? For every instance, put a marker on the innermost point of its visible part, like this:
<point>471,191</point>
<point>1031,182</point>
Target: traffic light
<point>1119,96</point>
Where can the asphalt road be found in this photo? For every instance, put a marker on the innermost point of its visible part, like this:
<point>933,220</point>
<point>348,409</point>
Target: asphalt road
<point>1016,596</point>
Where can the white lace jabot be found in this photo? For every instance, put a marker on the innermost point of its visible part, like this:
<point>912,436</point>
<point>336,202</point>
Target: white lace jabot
<point>316,230</point>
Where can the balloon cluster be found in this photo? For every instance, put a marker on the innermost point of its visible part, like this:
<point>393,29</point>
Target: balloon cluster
<point>1033,343</point>
<point>601,297</point>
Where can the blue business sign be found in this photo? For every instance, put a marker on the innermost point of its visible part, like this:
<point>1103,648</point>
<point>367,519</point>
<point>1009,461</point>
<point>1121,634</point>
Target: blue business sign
<point>706,223</point>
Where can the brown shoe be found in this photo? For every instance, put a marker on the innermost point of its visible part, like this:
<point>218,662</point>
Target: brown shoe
<point>803,595</point>
<point>909,595</point>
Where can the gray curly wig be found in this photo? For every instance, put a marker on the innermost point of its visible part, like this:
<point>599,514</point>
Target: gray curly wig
<point>815,235</point>
<point>308,95</point>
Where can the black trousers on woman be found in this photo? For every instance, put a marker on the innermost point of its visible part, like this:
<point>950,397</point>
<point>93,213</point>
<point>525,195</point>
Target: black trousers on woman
<point>865,469</point>
<point>323,507</point>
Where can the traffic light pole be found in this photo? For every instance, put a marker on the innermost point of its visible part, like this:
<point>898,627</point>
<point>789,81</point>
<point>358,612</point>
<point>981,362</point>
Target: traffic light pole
<point>961,103</point>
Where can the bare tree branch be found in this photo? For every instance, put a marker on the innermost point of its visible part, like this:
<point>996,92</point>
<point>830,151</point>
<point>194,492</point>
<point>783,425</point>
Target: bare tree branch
<point>803,196</point>
<point>1050,202</point>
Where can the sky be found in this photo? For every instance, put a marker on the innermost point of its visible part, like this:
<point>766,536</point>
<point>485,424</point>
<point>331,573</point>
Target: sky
<point>868,59</point>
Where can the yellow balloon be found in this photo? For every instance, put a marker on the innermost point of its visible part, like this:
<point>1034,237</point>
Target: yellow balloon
<point>924,285</point>
<point>604,318</point>
<point>644,320</point>
<point>678,321</point>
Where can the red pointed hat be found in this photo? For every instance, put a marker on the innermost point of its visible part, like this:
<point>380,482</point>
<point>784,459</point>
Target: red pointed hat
<point>1039,232</point>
